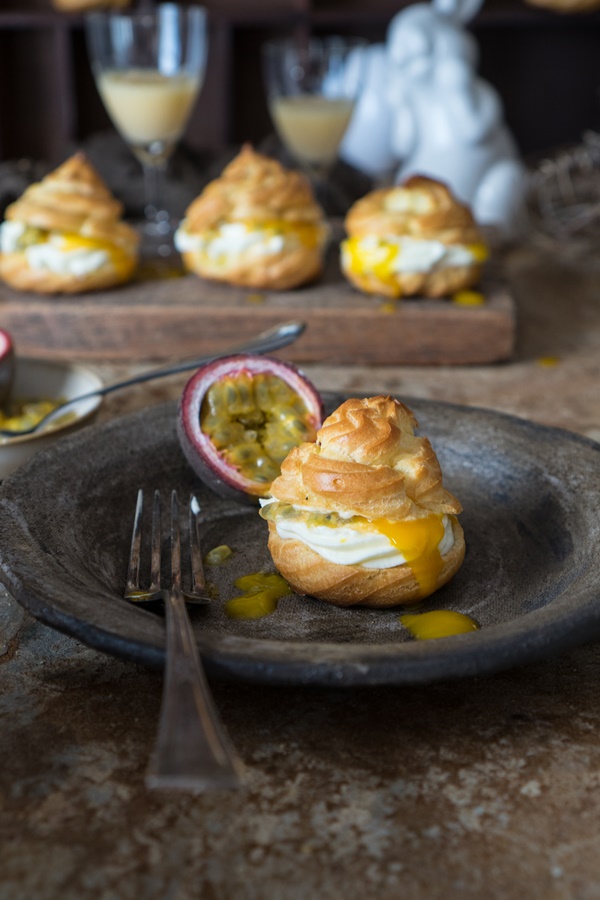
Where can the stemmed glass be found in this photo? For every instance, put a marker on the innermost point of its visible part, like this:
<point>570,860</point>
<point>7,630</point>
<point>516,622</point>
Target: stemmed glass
<point>149,67</point>
<point>312,87</point>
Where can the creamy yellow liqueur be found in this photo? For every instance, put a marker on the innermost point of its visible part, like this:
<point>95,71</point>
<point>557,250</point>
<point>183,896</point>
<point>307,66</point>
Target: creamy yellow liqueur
<point>120,260</point>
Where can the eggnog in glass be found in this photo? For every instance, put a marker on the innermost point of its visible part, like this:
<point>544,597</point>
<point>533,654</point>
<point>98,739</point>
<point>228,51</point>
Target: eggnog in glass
<point>149,67</point>
<point>311,90</point>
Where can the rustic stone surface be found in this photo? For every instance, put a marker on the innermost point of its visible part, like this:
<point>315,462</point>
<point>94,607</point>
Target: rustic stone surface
<point>479,788</point>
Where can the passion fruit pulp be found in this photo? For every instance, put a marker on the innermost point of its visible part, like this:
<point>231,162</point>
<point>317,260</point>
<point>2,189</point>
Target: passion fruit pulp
<point>239,417</point>
<point>7,366</point>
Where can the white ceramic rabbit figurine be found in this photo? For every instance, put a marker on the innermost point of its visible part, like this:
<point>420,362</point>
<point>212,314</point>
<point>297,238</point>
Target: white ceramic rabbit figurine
<point>445,121</point>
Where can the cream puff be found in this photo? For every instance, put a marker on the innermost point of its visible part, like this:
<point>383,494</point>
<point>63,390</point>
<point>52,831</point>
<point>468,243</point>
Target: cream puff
<point>256,226</point>
<point>65,234</point>
<point>412,239</point>
<point>360,516</point>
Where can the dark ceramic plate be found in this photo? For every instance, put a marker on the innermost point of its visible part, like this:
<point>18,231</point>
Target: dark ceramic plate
<point>531,497</point>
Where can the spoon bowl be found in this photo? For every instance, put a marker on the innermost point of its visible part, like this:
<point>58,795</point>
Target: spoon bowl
<point>267,342</point>
<point>46,379</point>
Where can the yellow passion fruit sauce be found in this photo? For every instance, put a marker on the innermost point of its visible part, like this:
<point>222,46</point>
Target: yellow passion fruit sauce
<point>437,624</point>
<point>22,414</point>
<point>254,420</point>
<point>218,555</point>
<point>261,594</point>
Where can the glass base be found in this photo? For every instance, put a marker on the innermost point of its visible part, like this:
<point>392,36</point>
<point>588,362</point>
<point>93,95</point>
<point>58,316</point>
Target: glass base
<point>158,256</point>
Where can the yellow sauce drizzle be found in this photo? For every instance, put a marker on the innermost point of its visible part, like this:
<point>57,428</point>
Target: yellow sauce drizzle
<point>438,624</point>
<point>417,540</point>
<point>547,362</point>
<point>479,251</point>
<point>377,260</point>
<point>23,414</point>
<point>389,306</point>
<point>468,298</point>
<point>262,592</point>
<point>218,555</point>
<point>122,262</point>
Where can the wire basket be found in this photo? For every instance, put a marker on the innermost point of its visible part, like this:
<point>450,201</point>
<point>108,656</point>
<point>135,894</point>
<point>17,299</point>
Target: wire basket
<point>564,203</point>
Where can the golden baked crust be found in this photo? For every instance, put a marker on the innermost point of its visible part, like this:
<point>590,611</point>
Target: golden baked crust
<point>366,461</point>
<point>308,573</point>
<point>419,207</point>
<point>424,210</point>
<point>258,192</point>
<point>440,283</point>
<point>15,270</point>
<point>72,200</point>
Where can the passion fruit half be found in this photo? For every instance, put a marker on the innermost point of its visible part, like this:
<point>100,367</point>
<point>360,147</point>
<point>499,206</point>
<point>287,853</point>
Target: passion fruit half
<point>238,418</point>
<point>7,366</point>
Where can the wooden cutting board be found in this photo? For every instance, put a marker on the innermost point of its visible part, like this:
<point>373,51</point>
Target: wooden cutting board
<point>184,317</point>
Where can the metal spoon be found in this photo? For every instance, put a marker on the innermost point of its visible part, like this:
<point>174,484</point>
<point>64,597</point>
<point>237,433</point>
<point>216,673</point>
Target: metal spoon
<point>266,342</point>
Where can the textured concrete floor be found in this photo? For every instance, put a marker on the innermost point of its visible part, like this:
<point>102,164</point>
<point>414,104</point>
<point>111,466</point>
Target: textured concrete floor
<point>484,788</point>
<point>480,788</point>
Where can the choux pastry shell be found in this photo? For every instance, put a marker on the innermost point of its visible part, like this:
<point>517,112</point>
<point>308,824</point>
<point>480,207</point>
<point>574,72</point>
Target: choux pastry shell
<point>70,209</point>
<point>412,239</point>
<point>257,225</point>
<point>369,468</point>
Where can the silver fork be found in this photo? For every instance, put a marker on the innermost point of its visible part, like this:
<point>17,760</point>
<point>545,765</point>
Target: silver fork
<point>192,751</point>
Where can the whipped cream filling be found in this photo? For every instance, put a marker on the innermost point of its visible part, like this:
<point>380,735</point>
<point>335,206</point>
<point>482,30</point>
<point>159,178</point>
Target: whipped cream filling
<point>50,255</point>
<point>348,546</point>
<point>10,233</point>
<point>231,239</point>
<point>412,255</point>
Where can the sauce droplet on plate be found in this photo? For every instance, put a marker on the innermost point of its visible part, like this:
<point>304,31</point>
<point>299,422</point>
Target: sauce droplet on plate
<point>438,624</point>
<point>261,594</point>
<point>218,555</point>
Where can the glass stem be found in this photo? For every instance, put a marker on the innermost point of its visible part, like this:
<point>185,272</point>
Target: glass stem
<point>154,189</point>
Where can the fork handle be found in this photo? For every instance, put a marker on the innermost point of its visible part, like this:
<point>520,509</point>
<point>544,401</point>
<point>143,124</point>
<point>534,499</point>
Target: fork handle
<point>192,751</point>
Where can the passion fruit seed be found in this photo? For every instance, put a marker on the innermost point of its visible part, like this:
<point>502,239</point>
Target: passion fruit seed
<point>282,510</point>
<point>254,421</point>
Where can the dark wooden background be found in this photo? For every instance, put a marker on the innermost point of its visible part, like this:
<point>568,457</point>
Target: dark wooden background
<point>545,65</point>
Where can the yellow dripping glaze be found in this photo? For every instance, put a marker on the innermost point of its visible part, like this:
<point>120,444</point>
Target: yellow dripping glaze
<point>121,261</point>
<point>479,251</point>
<point>377,260</point>
<point>308,233</point>
<point>547,362</point>
<point>261,593</point>
<point>21,414</point>
<point>218,555</point>
<point>437,624</point>
<point>468,298</point>
<point>417,540</point>
<point>311,234</point>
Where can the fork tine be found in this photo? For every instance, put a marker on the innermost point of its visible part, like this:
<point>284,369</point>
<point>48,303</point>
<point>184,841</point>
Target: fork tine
<point>198,577</point>
<point>132,587</point>
<point>175,543</point>
<point>155,546</point>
